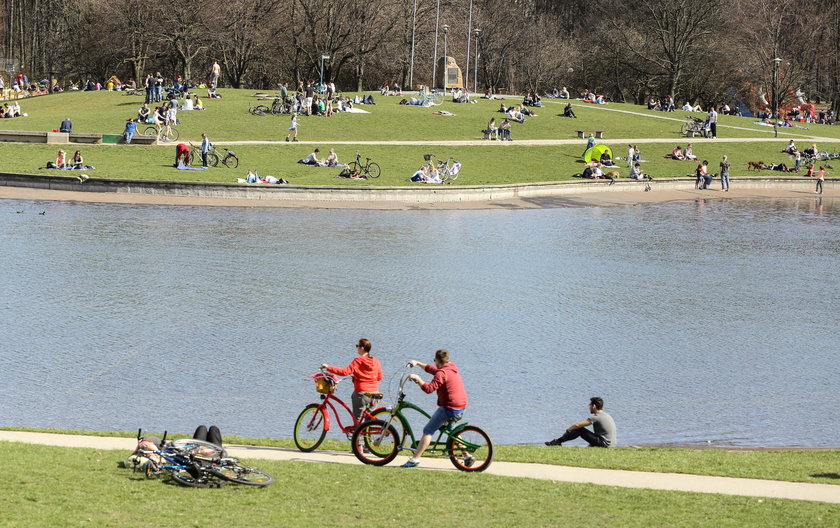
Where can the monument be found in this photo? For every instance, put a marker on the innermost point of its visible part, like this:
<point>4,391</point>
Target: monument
<point>450,74</point>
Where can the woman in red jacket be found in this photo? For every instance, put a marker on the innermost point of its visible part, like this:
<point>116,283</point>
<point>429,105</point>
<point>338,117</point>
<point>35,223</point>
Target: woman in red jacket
<point>367,373</point>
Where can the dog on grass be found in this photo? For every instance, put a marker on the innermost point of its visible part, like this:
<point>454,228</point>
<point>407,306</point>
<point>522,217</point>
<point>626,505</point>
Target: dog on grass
<point>755,165</point>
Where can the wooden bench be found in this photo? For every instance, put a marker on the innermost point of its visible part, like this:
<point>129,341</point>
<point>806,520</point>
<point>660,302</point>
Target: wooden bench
<point>24,136</point>
<point>78,137</point>
<point>599,134</point>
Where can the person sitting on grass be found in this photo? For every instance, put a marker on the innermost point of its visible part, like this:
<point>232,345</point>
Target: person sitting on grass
<point>77,162</point>
<point>332,159</point>
<point>605,159</point>
<point>144,113</point>
<point>603,428</point>
<point>66,125</point>
<point>688,153</point>
<point>61,160</point>
<point>568,112</point>
<point>312,159</point>
<point>677,153</point>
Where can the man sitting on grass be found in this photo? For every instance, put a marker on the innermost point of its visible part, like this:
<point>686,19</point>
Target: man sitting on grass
<point>603,434</point>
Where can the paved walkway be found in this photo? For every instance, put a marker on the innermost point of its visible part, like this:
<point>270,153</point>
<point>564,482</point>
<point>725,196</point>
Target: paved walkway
<point>606,477</point>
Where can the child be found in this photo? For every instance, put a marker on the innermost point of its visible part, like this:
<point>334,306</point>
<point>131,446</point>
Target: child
<point>820,180</point>
<point>293,128</point>
<point>366,371</point>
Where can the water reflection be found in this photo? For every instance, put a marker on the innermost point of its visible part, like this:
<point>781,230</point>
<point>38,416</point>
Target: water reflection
<point>696,321</point>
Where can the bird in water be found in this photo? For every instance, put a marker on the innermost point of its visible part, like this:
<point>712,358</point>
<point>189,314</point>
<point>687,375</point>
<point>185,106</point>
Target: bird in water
<point>42,213</point>
<point>21,212</point>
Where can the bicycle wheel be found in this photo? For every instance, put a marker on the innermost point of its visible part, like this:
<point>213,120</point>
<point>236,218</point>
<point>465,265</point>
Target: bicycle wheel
<point>242,474</point>
<point>355,167</point>
<point>383,414</point>
<point>150,131</point>
<point>199,448</point>
<point>373,445</point>
<point>686,129</point>
<point>310,428</point>
<point>470,449</point>
<point>231,161</point>
<point>212,159</point>
<point>260,110</point>
<point>194,158</point>
<point>195,478</point>
<point>373,170</point>
<point>171,136</point>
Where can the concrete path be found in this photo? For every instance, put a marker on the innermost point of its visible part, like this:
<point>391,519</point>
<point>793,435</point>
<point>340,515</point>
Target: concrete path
<point>605,477</point>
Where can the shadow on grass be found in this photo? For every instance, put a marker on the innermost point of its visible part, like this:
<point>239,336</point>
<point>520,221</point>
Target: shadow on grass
<point>826,475</point>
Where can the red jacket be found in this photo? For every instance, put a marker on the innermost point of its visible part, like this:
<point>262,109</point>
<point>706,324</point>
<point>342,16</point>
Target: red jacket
<point>366,372</point>
<point>448,384</point>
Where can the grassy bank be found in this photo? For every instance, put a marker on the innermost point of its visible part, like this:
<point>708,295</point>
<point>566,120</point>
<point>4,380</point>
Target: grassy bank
<point>822,466</point>
<point>50,486</point>
<point>227,119</point>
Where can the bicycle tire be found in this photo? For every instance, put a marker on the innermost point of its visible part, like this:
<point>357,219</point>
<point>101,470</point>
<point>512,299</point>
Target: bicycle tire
<point>686,129</point>
<point>310,428</point>
<point>260,110</point>
<point>277,109</point>
<point>200,448</point>
<point>172,136</point>
<point>373,170</point>
<point>476,457</point>
<point>397,423</point>
<point>242,474</point>
<point>231,161</point>
<point>367,450</point>
<point>150,131</point>
<point>212,159</point>
<point>196,478</point>
<point>355,167</point>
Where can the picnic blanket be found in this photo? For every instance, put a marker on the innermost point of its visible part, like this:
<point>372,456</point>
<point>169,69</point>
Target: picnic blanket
<point>184,166</point>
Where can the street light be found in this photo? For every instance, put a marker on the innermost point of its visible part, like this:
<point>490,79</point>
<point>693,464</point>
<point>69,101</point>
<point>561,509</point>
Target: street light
<point>475,62</point>
<point>323,58</point>
<point>413,31</point>
<point>434,60</point>
<point>469,34</point>
<point>445,61</point>
<point>774,104</point>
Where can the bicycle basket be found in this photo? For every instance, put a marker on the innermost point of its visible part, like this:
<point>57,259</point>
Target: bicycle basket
<point>324,385</point>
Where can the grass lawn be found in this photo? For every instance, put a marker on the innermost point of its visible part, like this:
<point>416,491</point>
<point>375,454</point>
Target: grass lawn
<point>492,162</point>
<point>51,486</point>
<point>821,466</point>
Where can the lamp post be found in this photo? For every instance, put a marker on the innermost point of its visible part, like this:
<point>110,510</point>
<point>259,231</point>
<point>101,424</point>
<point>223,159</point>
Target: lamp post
<point>413,32</point>
<point>469,34</point>
<point>323,58</point>
<point>434,53</point>
<point>475,62</point>
<point>774,103</point>
<point>445,72</point>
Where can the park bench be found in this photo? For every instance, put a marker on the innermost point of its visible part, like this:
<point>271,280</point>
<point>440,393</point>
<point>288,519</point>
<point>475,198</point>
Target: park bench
<point>24,136</point>
<point>140,139</point>
<point>486,133</point>
<point>78,137</point>
<point>599,134</point>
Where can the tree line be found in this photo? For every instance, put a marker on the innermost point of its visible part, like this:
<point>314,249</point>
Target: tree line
<point>703,51</point>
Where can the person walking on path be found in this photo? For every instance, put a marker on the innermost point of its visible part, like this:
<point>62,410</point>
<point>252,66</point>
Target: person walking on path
<point>367,373</point>
<point>452,398</point>
<point>215,70</point>
<point>820,180</point>
<point>293,128</point>
<point>603,433</point>
<point>724,174</point>
<point>590,142</point>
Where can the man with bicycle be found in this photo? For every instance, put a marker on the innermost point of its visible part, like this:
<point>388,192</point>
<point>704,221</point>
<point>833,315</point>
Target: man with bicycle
<point>452,398</point>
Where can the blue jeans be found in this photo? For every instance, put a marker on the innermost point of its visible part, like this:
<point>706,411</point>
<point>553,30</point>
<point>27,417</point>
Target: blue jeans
<point>724,180</point>
<point>439,417</point>
<point>128,136</point>
<point>505,133</point>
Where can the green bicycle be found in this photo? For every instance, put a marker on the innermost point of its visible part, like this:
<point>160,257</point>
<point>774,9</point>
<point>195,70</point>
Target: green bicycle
<point>377,442</point>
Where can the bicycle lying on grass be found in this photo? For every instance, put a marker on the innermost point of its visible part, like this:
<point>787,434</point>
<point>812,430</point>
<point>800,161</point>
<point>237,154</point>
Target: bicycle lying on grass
<point>313,422</point>
<point>377,442</point>
<point>197,464</point>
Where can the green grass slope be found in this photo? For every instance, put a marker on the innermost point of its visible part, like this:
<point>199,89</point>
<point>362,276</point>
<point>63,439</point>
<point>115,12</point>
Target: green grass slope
<point>491,162</point>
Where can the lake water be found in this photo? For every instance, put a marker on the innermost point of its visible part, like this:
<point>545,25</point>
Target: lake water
<point>697,322</point>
